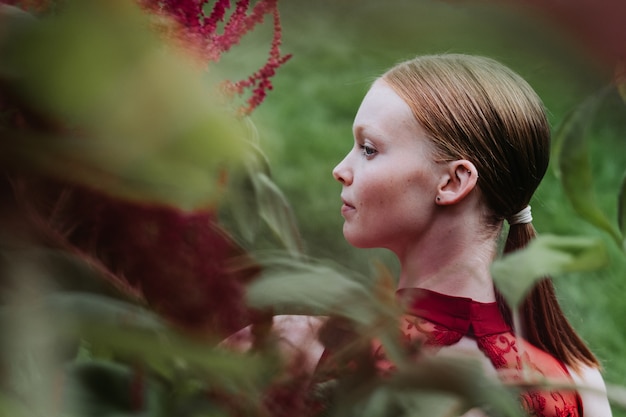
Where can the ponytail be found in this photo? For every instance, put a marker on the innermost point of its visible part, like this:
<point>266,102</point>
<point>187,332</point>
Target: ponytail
<point>543,322</point>
<point>478,109</point>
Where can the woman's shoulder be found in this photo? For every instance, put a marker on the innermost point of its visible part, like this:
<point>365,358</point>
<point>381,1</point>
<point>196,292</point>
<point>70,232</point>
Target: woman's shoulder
<point>296,336</point>
<point>592,390</point>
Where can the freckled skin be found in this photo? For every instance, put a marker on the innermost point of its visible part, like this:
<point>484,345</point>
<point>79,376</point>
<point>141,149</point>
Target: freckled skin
<point>389,186</point>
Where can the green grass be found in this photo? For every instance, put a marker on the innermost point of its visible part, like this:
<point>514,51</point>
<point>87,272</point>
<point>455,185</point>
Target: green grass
<point>339,47</point>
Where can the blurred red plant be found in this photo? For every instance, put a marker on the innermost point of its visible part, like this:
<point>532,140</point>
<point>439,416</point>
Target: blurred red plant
<point>199,34</point>
<point>186,24</point>
<point>597,24</point>
<point>184,265</point>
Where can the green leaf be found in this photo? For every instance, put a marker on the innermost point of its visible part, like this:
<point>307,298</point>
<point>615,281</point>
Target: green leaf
<point>437,386</point>
<point>11,407</point>
<point>241,203</point>
<point>573,165</point>
<point>621,212</point>
<point>240,210</point>
<point>294,287</point>
<point>135,334</point>
<point>617,395</point>
<point>388,401</point>
<point>459,378</point>
<point>103,388</point>
<point>275,209</point>
<point>620,78</point>
<point>547,255</point>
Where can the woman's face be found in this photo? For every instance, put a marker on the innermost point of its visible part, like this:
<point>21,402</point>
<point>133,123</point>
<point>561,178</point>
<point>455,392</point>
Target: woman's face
<point>389,177</point>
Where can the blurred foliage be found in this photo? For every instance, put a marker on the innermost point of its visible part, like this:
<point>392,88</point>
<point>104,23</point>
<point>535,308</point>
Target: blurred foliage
<point>547,255</point>
<point>573,164</point>
<point>93,99</point>
<point>164,126</point>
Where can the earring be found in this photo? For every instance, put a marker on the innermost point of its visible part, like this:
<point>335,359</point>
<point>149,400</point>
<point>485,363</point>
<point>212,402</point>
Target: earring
<point>438,199</point>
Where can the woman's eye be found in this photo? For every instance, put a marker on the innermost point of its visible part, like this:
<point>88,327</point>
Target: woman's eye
<point>368,151</point>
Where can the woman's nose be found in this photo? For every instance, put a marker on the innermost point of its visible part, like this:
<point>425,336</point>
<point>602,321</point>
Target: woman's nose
<point>342,173</point>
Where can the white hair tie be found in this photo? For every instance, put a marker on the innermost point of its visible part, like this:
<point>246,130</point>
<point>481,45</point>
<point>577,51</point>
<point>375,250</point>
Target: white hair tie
<point>522,217</point>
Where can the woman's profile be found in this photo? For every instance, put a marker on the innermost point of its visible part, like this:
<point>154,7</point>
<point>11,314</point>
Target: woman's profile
<point>447,148</point>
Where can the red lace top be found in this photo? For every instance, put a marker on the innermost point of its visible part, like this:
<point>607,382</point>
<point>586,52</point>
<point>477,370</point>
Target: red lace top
<point>439,320</point>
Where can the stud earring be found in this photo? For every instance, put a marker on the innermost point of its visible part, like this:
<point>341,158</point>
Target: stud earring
<point>438,198</point>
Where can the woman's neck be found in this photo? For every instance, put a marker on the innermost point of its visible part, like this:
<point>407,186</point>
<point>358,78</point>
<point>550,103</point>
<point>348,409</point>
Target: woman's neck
<point>458,266</point>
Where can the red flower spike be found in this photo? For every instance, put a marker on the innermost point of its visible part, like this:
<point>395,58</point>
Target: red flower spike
<point>217,15</point>
<point>198,34</point>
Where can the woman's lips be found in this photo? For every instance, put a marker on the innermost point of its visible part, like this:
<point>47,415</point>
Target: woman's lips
<point>346,208</point>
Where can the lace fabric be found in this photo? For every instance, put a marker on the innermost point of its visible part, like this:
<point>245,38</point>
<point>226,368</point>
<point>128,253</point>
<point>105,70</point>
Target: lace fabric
<point>439,320</point>
<point>435,320</point>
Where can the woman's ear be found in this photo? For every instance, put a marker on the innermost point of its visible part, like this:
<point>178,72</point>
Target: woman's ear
<point>458,181</point>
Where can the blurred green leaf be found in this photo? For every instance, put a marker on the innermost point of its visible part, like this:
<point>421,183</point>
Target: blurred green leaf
<point>617,395</point>
<point>102,388</point>
<point>434,387</point>
<point>241,206</point>
<point>11,407</point>
<point>244,195</point>
<point>302,288</point>
<point>295,287</point>
<point>547,255</point>
<point>276,211</point>
<point>573,165</point>
<point>140,120</point>
<point>134,334</point>
<point>620,78</point>
<point>621,212</point>
<point>461,378</point>
<point>388,401</point>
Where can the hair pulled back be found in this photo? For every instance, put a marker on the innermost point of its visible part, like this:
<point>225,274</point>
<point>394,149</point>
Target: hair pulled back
<point>475,108</point>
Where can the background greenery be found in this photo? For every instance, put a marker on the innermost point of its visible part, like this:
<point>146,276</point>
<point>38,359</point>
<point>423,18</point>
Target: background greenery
<point>339,47</point>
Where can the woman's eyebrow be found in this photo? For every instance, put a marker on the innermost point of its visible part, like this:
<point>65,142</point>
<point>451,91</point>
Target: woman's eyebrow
<point>358,130</point>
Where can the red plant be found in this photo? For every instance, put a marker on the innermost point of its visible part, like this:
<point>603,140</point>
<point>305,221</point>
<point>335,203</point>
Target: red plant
<point>33,6</point>
<point>200,35</point>
<point>183,265</point>
<point>187,25</point>
<point>597,24</point>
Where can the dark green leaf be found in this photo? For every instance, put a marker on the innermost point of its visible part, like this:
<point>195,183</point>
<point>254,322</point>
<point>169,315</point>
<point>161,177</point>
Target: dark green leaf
<point>547,255</point>
<point>100,388</point>
<point>573,165</point>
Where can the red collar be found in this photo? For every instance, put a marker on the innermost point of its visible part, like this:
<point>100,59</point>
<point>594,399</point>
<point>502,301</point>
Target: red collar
<point>460,314</point>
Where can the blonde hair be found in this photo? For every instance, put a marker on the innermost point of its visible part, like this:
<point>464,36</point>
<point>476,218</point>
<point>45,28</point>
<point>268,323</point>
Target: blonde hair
<point>475,108</point>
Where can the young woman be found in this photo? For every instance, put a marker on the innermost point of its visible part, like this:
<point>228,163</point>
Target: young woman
<point>447,148</point>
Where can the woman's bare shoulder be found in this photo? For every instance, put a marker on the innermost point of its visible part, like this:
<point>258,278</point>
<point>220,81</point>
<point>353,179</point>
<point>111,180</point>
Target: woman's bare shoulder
<point>296,336</point>
<point>592,391</point>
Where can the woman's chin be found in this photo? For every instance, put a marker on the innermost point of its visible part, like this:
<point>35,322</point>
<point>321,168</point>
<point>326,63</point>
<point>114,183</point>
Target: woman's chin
<point>358,241</point>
